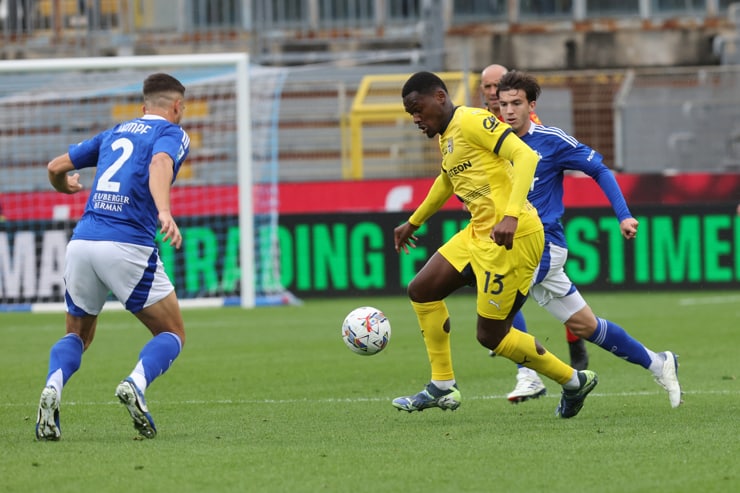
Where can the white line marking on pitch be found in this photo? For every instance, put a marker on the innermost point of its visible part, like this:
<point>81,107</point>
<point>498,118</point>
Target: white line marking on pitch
<point>358,399</point>
<point>710,300</point>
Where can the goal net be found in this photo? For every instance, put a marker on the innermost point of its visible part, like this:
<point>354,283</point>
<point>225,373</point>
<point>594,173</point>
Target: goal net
<point>224,199</point>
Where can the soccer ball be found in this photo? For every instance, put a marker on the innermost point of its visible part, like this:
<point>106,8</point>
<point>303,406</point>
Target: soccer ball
<point>366,330</point>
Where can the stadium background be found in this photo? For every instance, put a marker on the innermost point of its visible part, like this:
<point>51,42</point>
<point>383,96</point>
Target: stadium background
<point>653,85</point>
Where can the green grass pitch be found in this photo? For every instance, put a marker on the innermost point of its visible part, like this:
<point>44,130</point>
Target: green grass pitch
<point>270,400</point>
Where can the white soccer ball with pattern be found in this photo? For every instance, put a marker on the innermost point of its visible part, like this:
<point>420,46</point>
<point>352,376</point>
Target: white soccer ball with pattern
<point>366,330</point>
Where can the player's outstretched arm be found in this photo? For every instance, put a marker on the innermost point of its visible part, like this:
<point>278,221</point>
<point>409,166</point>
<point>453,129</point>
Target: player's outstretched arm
<point>161,172</point>
<point>58,177</point>
<point>606,180</point>
<point>438,194</point>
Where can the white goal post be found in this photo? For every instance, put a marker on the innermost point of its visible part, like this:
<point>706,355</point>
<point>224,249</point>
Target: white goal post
<point>230,231</point>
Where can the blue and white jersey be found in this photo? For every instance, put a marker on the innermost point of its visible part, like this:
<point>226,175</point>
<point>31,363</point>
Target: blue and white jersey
<point>120,207</point>
<point>558,152</point>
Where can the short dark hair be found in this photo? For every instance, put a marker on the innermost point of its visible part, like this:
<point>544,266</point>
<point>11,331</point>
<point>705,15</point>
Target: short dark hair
<point>159,83</point>
<point>520,81</point>
<point>423,83</point>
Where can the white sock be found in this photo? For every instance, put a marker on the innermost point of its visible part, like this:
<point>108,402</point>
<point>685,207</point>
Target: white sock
<point>55,380</point>
<point>656,362</point>
<point>139,377</point>
<point>574,383</point>
<point>443,384</point>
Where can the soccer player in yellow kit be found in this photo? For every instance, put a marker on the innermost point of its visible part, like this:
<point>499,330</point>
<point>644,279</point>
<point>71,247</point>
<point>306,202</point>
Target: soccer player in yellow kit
<point>502,245</point>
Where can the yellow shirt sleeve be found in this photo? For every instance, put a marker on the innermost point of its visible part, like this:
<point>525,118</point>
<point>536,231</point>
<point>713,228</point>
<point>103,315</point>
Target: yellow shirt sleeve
<point>437,196</point>
<point>524,161</point>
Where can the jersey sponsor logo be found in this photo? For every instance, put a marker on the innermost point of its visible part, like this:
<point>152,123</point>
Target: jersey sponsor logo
<point>109,201</point>
<point>459,168</point>
<point>490,123</point>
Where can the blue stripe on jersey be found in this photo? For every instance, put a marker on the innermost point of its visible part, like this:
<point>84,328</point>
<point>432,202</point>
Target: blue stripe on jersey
<point>501,140</point>
<point>135,302</point>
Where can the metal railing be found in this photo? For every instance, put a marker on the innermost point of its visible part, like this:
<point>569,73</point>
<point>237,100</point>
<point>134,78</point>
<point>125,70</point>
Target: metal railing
<point>81,25</point>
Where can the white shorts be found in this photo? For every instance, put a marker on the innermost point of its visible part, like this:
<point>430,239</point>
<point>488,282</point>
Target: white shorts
<point>133,273</point>
<point>552,288</point>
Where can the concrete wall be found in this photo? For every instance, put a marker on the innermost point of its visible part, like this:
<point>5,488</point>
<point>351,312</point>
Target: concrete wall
<point>573,46</point>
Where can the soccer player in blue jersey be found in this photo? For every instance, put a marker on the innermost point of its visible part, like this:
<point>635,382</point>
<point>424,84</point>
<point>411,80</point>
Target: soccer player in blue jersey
<point>552,288</point>
<point>489,80</point>
<point>113,249</point>
<point>501,245</point>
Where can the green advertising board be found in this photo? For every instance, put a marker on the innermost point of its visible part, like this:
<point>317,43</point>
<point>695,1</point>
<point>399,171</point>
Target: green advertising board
<point>352,254</point>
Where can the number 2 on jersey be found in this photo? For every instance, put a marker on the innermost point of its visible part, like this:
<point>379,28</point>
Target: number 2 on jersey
<point>105,183</point>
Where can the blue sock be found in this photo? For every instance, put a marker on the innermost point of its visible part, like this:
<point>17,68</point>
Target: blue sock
<point>615,339</point>
<point>520,324</point>
<point>158,354</point>
<point>65,358</point>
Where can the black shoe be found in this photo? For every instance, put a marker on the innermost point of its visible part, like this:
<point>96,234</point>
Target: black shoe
<point>571,401</point>
<point>578,355</point>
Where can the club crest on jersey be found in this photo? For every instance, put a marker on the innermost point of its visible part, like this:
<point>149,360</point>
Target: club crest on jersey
<point>450,146</point>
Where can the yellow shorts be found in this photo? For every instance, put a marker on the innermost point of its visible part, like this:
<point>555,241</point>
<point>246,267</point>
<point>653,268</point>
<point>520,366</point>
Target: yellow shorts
<point>503,277</point>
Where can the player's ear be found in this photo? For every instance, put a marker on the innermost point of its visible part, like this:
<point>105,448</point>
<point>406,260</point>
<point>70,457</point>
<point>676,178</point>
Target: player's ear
<point>179,107</point>
<point>440,96</point>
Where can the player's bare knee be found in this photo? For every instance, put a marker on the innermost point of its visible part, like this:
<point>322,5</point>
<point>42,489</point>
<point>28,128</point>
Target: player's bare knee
<point>582,323</point>
<point>488,339</point>
<point>581,329</point>
<point>416,292</point>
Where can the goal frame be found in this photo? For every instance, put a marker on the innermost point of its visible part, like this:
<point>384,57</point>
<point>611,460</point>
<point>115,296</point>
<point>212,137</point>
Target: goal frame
<point>240,61</point>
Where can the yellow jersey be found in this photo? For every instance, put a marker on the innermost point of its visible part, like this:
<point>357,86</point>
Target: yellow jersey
<point>478,152</point>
